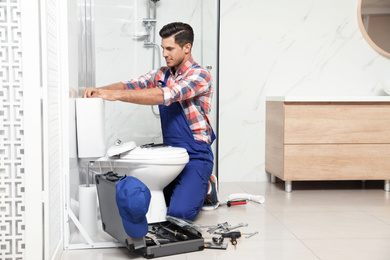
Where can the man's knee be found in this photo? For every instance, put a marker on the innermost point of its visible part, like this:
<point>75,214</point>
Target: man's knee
<point>183,212</point>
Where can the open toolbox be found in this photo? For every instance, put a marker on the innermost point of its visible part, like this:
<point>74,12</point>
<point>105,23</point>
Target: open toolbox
<point>163,238</point>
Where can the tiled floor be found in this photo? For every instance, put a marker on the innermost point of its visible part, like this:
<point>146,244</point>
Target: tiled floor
<point>318,220</point>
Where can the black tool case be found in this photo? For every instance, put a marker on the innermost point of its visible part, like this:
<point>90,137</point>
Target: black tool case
<point>158,242</point>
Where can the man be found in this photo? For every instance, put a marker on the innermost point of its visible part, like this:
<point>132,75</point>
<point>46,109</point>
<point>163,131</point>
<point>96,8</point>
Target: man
<point>183,91</point>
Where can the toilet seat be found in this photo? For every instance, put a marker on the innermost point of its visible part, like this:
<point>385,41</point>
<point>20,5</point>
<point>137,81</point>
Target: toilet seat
<point>159,154</point>
<point>146,154</point>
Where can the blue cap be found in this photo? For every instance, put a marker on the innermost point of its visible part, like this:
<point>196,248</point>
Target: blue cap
<point>133,199</point>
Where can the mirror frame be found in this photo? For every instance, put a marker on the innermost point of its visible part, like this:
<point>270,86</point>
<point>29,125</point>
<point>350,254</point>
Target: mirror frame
<point>365,34</point>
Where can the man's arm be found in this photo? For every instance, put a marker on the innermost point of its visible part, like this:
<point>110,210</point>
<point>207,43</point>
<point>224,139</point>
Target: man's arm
<point>118,92</point>
<point>89,92</point>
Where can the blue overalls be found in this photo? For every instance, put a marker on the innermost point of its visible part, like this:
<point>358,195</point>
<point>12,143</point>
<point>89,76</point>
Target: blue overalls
<point>186,194</point>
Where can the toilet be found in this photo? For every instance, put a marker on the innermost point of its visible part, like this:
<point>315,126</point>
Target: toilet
<point>155,165</point>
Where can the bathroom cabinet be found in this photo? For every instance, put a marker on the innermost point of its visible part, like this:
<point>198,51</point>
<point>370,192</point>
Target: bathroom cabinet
<point>340,138</point>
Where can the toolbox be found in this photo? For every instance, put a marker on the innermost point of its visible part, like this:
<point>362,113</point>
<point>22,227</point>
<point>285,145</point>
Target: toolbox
<point>164,238</point>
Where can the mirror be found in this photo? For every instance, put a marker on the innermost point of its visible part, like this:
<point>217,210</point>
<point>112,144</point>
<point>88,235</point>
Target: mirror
<point>374,23</point>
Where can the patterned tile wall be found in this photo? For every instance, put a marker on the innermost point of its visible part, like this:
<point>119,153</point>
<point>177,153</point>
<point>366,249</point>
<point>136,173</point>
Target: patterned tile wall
<point>11,134</point>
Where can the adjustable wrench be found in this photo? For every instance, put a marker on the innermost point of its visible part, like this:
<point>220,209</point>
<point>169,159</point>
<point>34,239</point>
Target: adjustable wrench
<point>237,226</point>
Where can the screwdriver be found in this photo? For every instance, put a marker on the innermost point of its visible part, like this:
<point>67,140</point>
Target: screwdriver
<point>179,235</point>
<point>234,203</point>
<point>233,235</point>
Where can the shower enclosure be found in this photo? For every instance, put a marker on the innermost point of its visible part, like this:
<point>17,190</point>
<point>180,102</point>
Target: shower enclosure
<point>118,40</point>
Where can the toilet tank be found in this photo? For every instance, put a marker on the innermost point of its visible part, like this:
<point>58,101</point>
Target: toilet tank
<point>90,127</point>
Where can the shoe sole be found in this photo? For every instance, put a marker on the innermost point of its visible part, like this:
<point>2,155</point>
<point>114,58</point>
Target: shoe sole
<point>211,207</point>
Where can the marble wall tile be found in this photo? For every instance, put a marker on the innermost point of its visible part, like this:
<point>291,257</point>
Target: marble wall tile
<point>303,47</point>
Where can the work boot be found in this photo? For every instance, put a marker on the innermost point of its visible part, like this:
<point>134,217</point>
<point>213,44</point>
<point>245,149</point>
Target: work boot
<point>211,202</point>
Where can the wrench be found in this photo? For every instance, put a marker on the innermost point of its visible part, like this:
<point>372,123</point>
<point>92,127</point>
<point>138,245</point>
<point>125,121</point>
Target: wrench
<point>249,235</point>
<point>212,230</point>
<point>237,226</point>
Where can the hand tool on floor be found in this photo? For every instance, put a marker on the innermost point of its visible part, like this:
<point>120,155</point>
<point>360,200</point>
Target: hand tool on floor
<point>233,235</point>
<point>216,243</point>
<point>256,198</point>
<point>218,240</point>
<point>222,226</point>
<point>212,245</point>
<point>249,235</point>
<point>230,228</point>
<point>233,203</point>
<point>178,235</point>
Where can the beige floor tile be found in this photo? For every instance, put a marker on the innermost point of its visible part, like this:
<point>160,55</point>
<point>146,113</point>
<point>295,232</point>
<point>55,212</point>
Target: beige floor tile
<point>359,249</point>
<point>330,224</point>
<point>381,213</point>
<point>99,254</point>
<point>317,220</point>
<point>259,250</point>
<point>264,223</point>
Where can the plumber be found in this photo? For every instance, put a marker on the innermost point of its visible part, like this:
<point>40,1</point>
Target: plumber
<point>183,91</point>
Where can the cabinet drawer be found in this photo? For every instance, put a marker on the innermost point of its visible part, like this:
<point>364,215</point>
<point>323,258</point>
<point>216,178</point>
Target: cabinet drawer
<point>337,162</point>
<point>329,122</point>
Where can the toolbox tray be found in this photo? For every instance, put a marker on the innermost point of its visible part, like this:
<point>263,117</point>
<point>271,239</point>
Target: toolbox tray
<point>112,224</point>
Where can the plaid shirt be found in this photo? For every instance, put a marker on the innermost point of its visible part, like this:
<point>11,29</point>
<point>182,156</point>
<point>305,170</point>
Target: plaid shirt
<point>191,86</point>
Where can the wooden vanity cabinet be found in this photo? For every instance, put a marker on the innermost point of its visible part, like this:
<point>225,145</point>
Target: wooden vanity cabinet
<point>308,141</point>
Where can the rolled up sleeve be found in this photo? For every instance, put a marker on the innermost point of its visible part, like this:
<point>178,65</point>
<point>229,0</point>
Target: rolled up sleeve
<point>145,81</point>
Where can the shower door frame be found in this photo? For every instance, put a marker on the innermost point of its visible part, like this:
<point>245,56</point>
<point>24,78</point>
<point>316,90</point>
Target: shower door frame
<point>86,78</point>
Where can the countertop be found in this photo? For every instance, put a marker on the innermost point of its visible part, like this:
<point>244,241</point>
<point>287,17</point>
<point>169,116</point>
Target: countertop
<point>328,98</point>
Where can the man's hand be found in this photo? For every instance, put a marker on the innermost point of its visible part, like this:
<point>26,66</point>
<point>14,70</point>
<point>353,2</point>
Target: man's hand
<point>103,92</point>
<point>107,94</point>
<point>90,93</point>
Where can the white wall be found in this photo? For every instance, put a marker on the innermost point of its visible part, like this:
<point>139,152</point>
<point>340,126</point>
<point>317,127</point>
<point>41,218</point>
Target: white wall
<point>281,47</point>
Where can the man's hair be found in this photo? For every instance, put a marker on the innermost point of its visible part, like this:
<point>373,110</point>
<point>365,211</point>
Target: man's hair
<point>182,33</point>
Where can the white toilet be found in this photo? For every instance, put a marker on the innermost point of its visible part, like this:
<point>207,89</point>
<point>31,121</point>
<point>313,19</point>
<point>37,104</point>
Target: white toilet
<point>154,165</point>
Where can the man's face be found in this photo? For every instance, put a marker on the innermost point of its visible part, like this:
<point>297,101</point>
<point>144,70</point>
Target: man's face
<point>172,52</point>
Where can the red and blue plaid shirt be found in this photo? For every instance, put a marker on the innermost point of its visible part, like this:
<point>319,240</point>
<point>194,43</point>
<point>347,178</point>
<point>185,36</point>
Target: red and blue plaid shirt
<point>191,86</point>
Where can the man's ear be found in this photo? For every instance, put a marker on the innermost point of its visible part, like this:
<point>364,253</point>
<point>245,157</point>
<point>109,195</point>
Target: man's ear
<point>187,48</point>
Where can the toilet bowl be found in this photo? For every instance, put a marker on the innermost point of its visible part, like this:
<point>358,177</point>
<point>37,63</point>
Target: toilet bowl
<point>155,166</point>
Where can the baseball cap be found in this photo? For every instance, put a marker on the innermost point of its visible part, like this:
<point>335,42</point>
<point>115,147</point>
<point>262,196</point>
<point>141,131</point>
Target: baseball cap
<point>133,199</point>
